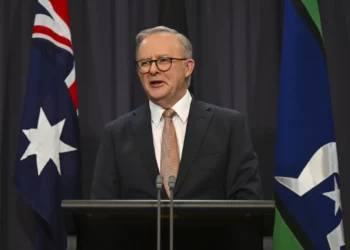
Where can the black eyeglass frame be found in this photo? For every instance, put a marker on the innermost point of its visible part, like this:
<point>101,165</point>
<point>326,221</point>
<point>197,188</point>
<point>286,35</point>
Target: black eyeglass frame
<point>156,62</point>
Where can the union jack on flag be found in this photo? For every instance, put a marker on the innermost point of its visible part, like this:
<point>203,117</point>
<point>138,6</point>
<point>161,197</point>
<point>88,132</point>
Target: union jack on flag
<point>47,165</point>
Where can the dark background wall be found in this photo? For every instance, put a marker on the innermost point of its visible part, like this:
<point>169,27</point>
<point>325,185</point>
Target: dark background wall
<point>236,48</point>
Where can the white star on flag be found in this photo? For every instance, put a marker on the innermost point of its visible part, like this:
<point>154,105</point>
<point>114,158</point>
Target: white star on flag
<point>335,195</point>
<point>45,143</point>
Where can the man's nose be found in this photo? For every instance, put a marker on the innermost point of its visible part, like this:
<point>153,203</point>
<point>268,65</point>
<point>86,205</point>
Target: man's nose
<point>154,69</point>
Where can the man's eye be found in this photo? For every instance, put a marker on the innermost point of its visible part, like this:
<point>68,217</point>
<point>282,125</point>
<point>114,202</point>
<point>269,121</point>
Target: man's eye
<point>144,63</point>
<point>163,60</point>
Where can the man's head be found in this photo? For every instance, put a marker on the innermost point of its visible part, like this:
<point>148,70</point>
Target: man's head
<point>166,79</point>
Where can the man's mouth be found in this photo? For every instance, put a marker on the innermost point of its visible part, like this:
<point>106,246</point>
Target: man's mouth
<point>156,82</point>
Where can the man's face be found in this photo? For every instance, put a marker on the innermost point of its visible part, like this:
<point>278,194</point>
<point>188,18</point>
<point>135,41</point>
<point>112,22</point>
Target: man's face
<point>164,88</point>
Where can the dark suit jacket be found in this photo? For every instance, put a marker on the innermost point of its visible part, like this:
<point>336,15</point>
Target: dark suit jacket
<point>218,160</point>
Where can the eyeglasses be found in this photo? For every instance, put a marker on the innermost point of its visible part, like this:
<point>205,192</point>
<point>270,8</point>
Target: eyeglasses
<point>162,63</point>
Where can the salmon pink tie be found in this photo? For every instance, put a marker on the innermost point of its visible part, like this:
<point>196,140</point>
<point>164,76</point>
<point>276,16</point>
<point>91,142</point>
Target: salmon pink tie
<point>170,159</point>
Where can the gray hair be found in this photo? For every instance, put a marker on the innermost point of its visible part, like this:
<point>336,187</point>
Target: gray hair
<point>186,44</point>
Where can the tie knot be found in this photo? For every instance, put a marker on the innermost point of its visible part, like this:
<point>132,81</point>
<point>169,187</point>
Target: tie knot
<point>169,113</point>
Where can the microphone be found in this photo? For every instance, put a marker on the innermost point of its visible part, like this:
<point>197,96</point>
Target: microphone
<point>171,183</point>
<point>159,184</point>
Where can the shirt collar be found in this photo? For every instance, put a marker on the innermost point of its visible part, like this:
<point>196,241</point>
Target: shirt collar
<point>182,109</point>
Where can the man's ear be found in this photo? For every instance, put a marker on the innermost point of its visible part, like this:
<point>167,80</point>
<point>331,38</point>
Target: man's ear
<point>189,67</point>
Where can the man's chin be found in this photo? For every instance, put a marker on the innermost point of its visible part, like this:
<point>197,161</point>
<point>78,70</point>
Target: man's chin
<point>156,99</point>
<point>157,95</point>
<point>160,100</point>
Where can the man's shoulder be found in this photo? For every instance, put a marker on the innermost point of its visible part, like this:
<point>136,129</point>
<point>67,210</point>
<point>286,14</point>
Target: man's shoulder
<point>220,111</point>
<point>125,118</point>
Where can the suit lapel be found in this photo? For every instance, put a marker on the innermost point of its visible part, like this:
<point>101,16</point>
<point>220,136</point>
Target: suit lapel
<point>197,125</point>
<point>142,131</point>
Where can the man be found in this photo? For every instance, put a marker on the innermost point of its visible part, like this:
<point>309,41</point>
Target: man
<point>207,148</point>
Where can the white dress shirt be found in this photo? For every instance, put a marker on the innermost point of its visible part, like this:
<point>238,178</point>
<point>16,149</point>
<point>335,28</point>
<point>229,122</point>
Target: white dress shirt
<point>182,109</point>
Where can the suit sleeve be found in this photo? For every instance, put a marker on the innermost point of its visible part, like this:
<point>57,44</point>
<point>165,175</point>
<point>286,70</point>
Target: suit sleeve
<point>243,176</point>
<point>105,182</point>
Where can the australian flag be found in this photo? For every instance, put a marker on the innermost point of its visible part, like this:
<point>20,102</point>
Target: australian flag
<point>48,151</point>
<point>308,206</point>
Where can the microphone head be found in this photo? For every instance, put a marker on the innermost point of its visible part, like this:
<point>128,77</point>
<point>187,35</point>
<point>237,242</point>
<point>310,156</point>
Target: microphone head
<point>171,181</point>
<point>159,181</point>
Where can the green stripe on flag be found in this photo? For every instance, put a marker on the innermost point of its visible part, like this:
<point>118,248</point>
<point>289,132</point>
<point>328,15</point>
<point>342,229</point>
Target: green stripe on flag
<point>314,12</point>
<point>283,238</point>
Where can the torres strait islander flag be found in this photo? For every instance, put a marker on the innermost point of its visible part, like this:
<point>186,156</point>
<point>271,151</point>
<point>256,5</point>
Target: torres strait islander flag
<point>308,207</point>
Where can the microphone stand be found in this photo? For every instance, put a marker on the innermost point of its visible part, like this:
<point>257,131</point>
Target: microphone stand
<point>171,182</point>
<point>159,183</point>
